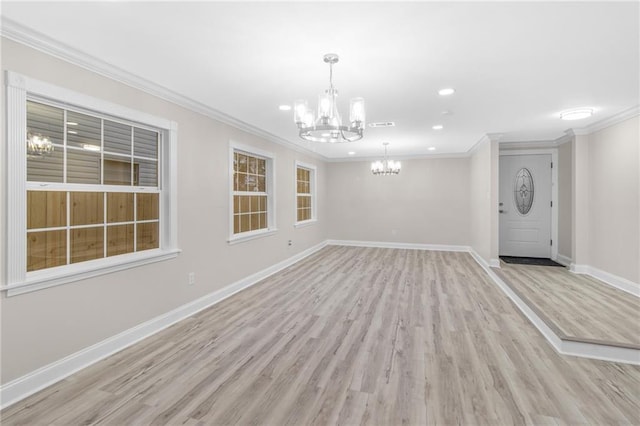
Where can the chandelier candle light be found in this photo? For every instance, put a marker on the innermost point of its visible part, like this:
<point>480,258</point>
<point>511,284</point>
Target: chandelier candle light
<point>386,166</point>
<point>38,145</point>
<point>328,127</point>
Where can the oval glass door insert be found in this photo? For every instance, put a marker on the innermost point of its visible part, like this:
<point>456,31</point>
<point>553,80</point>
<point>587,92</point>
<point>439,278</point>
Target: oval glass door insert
<point>523,191</point>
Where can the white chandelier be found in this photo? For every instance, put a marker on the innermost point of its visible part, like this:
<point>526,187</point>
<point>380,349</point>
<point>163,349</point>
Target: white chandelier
<point>328,127</point>
<point>38,145</point>
<point>386,166</point>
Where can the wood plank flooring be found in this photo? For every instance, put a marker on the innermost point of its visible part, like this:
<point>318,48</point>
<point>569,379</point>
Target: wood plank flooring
<point>348,336</point>
<point>579,306</point>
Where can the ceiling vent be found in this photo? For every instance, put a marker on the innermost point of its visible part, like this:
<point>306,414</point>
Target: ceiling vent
<point>383,124</point>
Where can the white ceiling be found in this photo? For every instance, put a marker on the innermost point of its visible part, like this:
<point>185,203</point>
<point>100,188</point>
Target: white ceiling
<point>515,66</point>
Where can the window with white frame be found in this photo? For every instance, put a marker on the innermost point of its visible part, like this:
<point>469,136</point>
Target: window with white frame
<point>252,193</point>
<point>99,197</point>
<point>305,193</point>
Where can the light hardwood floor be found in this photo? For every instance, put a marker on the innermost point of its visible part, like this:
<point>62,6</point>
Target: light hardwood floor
<point>348,336</point>
<point>579,306</point>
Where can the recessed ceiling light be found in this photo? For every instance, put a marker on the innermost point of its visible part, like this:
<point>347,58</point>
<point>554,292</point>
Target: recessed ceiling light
<point>446,91</point>
<point>284,107</point>
<point>351,153</point>
<point>438,127</point>
<point>432,148</point>
<point>576,114</point>
<point>72,132</point>
<point>71,123</point>
<point>447,112</point>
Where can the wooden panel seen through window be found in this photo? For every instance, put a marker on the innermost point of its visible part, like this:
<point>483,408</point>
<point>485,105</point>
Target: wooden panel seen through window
<point>147,236</point>
<point>119,207</point>
<point>119,239</point>
<point>87,244</point>
<point>46,209</point>
<point>46,249</point>
<point>87,208</point>
<point>147,206</point>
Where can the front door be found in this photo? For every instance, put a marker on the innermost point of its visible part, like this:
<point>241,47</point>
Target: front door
<point>525,205</point>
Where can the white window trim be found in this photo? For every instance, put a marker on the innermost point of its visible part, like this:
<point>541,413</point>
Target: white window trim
<point>271,193</point>
<point>314,175</point>
<point>18,89</point>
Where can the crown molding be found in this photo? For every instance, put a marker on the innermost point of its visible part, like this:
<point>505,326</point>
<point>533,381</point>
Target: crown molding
<point>38,41</point>
<point>398,157</point>
<point>606,122</point>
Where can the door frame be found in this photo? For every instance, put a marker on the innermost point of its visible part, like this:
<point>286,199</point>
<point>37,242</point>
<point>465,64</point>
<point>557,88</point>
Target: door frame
<point>554,189</point>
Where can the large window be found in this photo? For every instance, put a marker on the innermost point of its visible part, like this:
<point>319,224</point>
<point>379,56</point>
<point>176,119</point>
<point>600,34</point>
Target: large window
<point>102,195</point>
<point>252,193</point>
<point>305,193</point>
<point>84,217</point>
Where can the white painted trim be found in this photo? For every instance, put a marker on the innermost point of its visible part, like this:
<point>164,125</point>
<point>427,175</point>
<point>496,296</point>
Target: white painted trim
<point>313,179</point>
<point>563,260</point>
<point>406,246</point>
<point>367,159</point>
<point>28,37</point>
<point>251,235</point>
<point>562,346</point>
<point>305,223</point>
<point>554,190</point>
<point>21,88</point>
<point>39,280</point>
<point>271,192</point>
<point>30,383</point>
<point>33,39</point>
<point>601,352</point>
<point>537,322</point>
<point>608,122</point>
<point>529,144</point>
<point>607,278</point>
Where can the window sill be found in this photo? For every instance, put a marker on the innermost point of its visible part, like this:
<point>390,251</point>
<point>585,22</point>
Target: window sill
<point>251,235</point>
<point>305,223</point>
<point>39,280</point>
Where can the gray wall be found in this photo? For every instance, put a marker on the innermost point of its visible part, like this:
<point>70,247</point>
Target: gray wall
<point>614,199</point>
<point>449,201</point>
<point>483,184</point>
<point>44,326</point>
<point>427,203</point>
<point>564,200</point>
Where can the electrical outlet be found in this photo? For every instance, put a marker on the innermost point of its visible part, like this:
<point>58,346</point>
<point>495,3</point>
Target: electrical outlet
<point>290,243</point>
<point>192,278</point>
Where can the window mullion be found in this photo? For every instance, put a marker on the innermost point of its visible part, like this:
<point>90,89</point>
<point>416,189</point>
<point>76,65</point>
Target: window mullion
<point>104,221</point>
<point>64,147</point>
<point>135,225</point>
<point>68,233</point>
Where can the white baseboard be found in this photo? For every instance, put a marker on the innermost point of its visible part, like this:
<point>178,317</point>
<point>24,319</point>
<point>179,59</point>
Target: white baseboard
<point>30,383</point>
<point>601,352</point>
<point>537,322</point>
<point>608,278</point>
<point>407,246</point>
<point>562,346</point>
<point>563,260</point>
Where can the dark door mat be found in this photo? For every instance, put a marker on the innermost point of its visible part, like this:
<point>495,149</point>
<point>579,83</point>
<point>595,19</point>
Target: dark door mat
<point>538,261</point>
